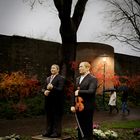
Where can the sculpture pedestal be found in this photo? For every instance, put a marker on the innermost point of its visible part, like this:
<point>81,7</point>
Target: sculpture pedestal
<point>40,137</point>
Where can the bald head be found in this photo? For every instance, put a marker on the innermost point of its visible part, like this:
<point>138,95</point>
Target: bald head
<point>84,67</point>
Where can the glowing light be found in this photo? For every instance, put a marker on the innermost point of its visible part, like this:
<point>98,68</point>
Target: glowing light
<point>104,59</point>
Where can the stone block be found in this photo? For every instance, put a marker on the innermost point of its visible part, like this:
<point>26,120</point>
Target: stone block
<point>40,137</point>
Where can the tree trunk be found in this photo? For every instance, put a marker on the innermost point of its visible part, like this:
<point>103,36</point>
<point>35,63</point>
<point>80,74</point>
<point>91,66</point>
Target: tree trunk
<point>69,42</point>
<point>68,30</point>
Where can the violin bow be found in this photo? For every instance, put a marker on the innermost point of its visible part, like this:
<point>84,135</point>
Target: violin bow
<point>81,131</point>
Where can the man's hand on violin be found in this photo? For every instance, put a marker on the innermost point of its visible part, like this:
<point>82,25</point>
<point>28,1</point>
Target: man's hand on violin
<point>76,92</point>
<point>49,86</point>
<point>46,92</point>
<point>73,109</point>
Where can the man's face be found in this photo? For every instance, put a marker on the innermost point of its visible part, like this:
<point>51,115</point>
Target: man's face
<point>82,69</point>
<point>54,70</point>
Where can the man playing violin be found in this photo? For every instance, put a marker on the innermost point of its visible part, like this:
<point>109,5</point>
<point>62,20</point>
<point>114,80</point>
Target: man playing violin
<point>86,85</point>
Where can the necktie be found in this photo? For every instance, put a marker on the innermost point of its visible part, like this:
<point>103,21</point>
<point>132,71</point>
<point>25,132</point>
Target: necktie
<point>52,76</point>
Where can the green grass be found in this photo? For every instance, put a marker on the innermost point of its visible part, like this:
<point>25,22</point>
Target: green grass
<point>121,125</point>
<point>123,128</point>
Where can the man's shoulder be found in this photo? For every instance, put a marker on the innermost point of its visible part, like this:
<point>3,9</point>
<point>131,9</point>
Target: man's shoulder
<point>61,76</point>
<point>92,76</point>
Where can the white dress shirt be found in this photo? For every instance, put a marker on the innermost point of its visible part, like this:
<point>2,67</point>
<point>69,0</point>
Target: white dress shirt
<point>82,77</point>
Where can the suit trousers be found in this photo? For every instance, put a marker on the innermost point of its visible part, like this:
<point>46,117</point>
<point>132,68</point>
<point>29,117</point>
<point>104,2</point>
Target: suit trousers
<point>86,123</point>
<point>54,116</point>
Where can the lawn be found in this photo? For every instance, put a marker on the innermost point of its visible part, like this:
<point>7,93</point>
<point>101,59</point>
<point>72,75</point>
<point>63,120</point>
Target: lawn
<point>122,124</point>
<point>124,129</point>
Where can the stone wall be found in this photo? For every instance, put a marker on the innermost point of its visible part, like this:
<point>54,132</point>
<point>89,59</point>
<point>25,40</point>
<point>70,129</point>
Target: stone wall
<point>29,55</point>
<point>36,56</point>
<point>127,65</point>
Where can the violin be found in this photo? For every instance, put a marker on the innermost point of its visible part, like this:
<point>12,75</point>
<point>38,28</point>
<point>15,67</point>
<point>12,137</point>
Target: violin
<point>79,106</point>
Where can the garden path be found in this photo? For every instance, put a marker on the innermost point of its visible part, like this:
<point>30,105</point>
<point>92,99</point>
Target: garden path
<point>36,125</point>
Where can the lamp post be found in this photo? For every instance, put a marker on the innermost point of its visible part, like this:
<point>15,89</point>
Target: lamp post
<point>104,69</point>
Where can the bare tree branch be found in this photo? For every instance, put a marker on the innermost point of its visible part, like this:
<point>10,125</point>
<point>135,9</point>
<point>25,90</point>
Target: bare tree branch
<point>125,40</point>
<point>32,3</point>
<point>78,12</point>
<point>138,2</point>
<point>126,15</point>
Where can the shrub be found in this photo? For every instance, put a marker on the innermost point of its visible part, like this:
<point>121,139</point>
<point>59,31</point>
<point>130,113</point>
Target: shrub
<point>14,88</point>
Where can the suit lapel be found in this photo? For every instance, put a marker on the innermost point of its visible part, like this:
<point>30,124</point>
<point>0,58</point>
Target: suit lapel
<point>83,79</point>
<point>78,81</point>
<point>53,80</point>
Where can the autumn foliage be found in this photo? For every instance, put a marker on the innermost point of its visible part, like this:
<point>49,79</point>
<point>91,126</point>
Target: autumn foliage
<point>17,85</point>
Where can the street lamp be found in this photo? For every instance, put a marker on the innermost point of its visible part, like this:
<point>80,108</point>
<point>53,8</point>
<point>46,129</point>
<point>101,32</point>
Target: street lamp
<point>104,69</point>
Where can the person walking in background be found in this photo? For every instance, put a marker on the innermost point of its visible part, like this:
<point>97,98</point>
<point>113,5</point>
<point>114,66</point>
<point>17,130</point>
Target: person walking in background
<point>54,101</point>
<point>125,90</point>
<point>86,86</point>
<point>112,102</point>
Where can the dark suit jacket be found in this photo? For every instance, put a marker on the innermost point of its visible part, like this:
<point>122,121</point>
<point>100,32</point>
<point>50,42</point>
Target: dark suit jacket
<point>87,90</point>
<point>54,101</point>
